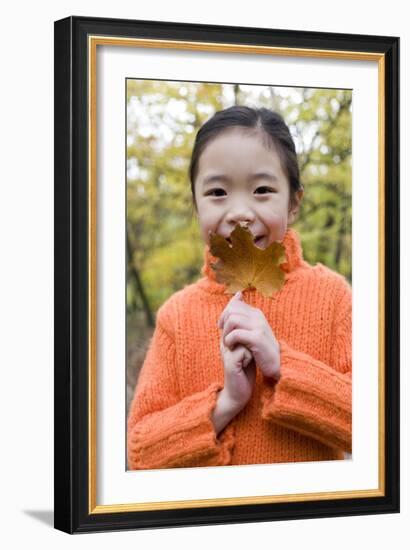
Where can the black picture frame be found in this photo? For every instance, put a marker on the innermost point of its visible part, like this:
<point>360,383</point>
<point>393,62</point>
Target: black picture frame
<point>75,509</point>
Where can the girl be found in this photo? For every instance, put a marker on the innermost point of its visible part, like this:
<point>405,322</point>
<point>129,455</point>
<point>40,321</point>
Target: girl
<point>246,379</point>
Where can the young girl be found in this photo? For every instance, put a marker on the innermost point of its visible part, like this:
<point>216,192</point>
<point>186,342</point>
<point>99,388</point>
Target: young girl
<point>246,379</point>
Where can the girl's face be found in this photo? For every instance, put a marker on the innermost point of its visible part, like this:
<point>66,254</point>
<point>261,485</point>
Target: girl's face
<point>240,180</point>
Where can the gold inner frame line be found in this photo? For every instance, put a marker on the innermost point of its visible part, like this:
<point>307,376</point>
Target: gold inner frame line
<point>93,42</point>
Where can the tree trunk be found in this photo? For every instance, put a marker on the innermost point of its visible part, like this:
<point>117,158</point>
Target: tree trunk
<point>340,237</point>
<point>137,279</point>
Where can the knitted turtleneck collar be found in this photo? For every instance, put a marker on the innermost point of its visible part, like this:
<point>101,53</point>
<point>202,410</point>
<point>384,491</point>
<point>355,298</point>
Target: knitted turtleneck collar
<point>294,256</point>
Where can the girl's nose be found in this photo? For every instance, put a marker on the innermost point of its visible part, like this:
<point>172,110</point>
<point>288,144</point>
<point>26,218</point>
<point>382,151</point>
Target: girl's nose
<point>240,215</point>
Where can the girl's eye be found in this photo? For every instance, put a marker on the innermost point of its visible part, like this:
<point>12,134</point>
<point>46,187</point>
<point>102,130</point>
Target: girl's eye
<point>217,192</point>
<point>263,189</point>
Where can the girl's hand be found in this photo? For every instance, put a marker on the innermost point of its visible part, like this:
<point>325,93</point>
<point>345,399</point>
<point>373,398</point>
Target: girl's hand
<point>239,376</point>
<point>246,325</point>
<point>239,379</point>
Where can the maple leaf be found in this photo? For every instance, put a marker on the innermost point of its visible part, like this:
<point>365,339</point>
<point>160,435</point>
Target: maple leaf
<point>243,265</point>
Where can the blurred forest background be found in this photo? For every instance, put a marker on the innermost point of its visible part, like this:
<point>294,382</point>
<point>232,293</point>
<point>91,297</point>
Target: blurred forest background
<point>164,248</point>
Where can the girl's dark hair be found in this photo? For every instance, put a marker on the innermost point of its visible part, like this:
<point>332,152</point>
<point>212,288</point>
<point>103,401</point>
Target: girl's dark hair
<point>272,127</point>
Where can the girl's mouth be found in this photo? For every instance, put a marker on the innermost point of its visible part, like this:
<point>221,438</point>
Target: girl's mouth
<point>256,240</point>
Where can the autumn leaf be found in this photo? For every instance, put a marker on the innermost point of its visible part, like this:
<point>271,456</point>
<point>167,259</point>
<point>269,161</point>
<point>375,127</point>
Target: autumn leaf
<point>243,265</point>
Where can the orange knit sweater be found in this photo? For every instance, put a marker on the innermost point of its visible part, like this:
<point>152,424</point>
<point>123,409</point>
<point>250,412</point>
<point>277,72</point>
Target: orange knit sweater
<point>304,416</point>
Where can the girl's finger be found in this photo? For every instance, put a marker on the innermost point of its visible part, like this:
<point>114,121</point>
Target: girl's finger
<point>247,357</point>
<point>237,307</point>
<point>237,320</point>
<point>236,304</point>
<point>226,314</point>
<point>250,372</point>
<point>241,356</point>
<point>238,336</point>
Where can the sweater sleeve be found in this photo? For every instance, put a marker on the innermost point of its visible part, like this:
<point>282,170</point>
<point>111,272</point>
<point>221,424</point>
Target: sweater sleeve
<point>312,397</point>
<point>165,431</point>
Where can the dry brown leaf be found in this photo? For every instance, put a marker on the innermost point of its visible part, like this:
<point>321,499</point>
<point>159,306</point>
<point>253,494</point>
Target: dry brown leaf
<point>243,265</point>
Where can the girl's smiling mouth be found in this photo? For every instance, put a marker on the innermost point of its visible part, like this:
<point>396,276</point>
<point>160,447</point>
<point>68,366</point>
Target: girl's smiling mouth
<point>256,240</point>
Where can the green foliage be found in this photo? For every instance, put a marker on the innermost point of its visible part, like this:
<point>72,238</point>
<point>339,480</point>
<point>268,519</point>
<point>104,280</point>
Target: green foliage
<point>162,121</point>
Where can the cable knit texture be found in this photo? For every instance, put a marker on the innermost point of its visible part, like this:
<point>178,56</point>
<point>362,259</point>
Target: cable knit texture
<point>305,416</point>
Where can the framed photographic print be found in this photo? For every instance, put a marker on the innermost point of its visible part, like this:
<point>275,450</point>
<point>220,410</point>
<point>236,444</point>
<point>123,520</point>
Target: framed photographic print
<point>226,274</point>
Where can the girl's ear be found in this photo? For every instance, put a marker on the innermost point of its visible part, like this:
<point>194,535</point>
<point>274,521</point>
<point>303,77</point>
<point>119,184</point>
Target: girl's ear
<point>295,205</point>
